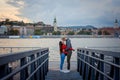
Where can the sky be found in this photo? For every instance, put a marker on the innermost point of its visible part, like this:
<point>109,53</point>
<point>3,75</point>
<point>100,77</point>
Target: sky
<point>98,13</point>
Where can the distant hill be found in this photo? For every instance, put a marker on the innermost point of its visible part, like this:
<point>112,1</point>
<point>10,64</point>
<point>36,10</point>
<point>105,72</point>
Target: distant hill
<point>86,27</point>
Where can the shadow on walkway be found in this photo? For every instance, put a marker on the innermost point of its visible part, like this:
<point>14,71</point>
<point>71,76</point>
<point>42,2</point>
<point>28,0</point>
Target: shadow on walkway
<point>55,74</point>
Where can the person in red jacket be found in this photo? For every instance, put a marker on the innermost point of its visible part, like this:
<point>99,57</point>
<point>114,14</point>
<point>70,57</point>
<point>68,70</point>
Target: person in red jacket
<point>63,52</point>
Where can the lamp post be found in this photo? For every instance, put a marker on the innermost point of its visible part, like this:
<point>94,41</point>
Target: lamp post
<point>34,27</point>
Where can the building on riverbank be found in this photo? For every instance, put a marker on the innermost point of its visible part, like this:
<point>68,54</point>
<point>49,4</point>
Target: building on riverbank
<point>65,30</point>
<point>115,30</point>
<point>3,30</point>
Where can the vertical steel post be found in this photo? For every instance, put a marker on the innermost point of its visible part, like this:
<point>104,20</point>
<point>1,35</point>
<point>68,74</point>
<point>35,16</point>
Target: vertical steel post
<point>23,73</point>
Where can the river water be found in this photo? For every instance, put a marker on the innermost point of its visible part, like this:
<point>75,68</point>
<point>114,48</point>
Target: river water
<point>108,44</point>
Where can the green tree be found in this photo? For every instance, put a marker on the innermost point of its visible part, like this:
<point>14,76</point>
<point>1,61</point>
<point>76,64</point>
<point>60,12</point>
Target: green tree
<point>16,32</point>
<point>106,33</point>
<point>71,33</point>
<point>13,32</point>
<point>7,21</point>
<point>84,32</point>
<point>88,32</point>
<point>38,32</point>
<point>99,32</point>
<point>56,32</point>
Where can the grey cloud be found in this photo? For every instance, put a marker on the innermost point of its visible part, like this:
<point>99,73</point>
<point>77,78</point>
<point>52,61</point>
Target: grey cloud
<point>72,12</point>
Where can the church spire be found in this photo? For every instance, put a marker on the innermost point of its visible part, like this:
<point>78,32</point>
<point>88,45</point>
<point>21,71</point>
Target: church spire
<point>55,20</point>
<point>116,21</point>
<point>116,25</point>
<point>55,24</point>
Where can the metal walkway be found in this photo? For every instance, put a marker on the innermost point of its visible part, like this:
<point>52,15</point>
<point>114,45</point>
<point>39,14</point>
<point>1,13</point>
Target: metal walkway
<point>55,74</point>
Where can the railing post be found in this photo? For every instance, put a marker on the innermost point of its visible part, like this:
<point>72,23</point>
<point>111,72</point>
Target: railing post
<point>32,66</point>
<point>101,66</point>
<point>93,70</point>
<point>4,70</point>
<point>78,62</point>
<point>87,67</point>
<point>43,66</point>
<point>97,73</point>
<point>24,72</point>
<point>41,69</point>
<point>81,65</point>
<point>43,58</point>
<point>116,69</point>
<point>84,67</point>
<point>38,64</point>
<point>89,70</point>
<point>46,64</point>
<point>48,61</point>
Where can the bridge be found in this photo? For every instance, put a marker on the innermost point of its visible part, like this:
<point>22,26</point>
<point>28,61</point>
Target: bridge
<point>34,64</point>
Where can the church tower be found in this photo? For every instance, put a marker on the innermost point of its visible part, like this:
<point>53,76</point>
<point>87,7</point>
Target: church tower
<point>116,25</point>
<point>55,24</point>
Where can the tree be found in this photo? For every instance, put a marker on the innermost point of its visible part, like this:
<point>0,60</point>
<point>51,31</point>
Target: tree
<point>7,21</point>
<point>16,32</point>
<point>13,32</point>
<point>84,32</point>
<point>38,32</point>
<point>71,33</point>
<point>100,32</point>
<point>56,32</point>
<point>106,33</point>
<point>81,32</point>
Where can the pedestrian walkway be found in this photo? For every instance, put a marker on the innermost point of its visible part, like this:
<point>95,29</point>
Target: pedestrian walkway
<point>55,74</point>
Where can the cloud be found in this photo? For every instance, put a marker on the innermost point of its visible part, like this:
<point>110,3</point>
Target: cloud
<point>68,12</point>
<point>11,12</point>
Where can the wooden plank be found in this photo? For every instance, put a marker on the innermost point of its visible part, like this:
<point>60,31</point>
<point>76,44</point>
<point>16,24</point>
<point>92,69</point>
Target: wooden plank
<point>55,74</point>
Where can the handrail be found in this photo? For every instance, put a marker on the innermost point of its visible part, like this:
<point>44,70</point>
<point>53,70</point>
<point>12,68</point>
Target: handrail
<point>92,63</point>
<point>16,56</point>
<point>19,47</point>
<point>12,49</point>
<point>110,63</point>
<point>39,61</point>
<point>109,53</point>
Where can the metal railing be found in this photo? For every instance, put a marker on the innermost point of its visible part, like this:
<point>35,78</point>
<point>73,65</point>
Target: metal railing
<point>32,65</point>
<point>98,65</point>
<point>16,49</point>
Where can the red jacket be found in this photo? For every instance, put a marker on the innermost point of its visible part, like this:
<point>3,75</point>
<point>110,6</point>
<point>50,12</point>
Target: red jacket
<point>71,49</point>
<point>63,47</point>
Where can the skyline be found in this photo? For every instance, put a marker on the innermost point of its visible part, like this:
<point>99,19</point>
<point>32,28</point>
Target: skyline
<point>68,12</point>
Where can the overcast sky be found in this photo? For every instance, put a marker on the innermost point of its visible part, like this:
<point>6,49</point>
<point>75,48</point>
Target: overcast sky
<point>98,13</point>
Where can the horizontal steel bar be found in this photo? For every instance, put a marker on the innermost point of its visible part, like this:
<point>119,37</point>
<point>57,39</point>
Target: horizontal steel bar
<point>101,60</point>
<point>108,53</point>
<point>20,47</point>
<point>19,69</point>
<point>95,68</point>
<point>36,69</point>
<point>6,58</point>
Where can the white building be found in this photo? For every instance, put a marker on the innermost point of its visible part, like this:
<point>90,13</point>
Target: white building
<point>23,30</point>
<point>3,30</point>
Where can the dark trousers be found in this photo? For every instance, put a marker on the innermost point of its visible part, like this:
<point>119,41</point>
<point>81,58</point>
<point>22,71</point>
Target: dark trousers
<point>68,59</point>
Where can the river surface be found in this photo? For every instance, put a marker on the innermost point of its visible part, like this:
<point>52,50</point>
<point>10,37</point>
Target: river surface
<point>108,44</point>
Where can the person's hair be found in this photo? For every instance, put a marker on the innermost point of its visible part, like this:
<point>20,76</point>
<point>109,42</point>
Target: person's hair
<point>63,38</point>
<point>60,46</point>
